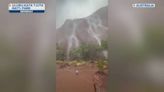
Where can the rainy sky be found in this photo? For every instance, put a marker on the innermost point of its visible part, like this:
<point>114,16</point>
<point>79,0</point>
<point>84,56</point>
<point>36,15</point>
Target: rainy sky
<point>72,9</point>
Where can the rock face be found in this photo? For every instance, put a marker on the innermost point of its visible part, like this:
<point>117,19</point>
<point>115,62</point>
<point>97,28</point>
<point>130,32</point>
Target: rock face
<point>88,30</point>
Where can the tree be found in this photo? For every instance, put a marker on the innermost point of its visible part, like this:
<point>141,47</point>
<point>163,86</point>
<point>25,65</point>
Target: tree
<point>104,45</point>
<point>86,52</point>
<point>60,53</point>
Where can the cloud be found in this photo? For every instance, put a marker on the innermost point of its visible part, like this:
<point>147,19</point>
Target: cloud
<point>72,9</point>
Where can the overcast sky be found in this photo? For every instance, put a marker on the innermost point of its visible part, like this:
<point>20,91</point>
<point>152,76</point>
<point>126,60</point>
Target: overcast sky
<point>72,9</point>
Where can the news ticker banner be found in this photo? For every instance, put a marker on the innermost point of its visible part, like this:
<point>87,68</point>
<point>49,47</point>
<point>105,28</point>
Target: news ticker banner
<point>26,8</point>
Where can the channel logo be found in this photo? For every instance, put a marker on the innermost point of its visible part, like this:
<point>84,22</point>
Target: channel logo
<point>26,7</point>
<point>143,5</point>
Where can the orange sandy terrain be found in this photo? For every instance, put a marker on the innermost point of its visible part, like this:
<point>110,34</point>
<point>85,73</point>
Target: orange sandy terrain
<point>68,81</point>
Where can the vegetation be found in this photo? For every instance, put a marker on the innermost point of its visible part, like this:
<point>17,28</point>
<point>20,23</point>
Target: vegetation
<point>101,65</point>
<point>60,53</point>
<point>86,52</point>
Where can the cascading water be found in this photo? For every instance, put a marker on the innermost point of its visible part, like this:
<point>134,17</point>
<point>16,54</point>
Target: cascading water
<point>72,40</point>
<point>92,32</point>
<point>93,28</point>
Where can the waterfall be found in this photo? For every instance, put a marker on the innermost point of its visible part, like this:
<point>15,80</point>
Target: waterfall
<point>72,40</point>
<point>94,24</point>
<point>92,32</point>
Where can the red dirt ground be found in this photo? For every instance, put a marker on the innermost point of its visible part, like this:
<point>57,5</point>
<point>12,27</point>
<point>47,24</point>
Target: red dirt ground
<point>68,81</point>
